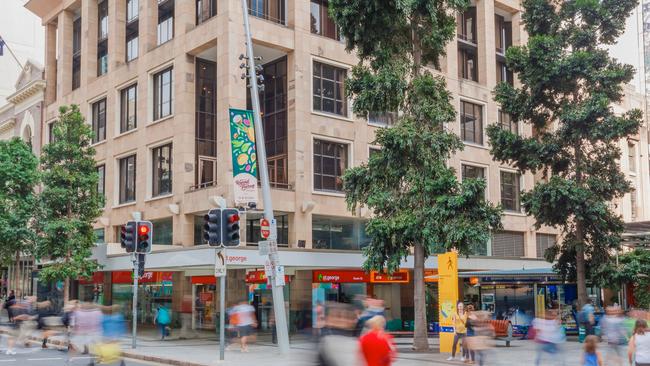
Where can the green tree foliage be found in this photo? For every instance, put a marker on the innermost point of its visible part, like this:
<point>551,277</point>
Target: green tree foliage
<point>569,83</point>
<point>18,179</point>
<point>417,202</point>
<point>633,267</point>
<point>69,202</point>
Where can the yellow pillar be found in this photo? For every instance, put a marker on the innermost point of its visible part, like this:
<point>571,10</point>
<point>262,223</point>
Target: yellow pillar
<point>448,297</point>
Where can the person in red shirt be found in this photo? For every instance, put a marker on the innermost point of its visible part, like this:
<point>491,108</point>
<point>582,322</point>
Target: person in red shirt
<point>377,346</point>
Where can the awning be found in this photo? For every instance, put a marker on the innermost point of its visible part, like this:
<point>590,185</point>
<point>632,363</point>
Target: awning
<point>513,273</point>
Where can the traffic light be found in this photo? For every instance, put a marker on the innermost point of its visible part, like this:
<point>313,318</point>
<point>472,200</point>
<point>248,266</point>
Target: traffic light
<point>127,237</point>
<point>230,218</point>
<point>141,257</point>
<point>212,227</point>
<point>145,233</point>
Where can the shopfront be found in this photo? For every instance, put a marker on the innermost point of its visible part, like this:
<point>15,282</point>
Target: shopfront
<point>260,295</point>
<point>155,289</point>
<point>92,289</point>
<point>204,308</point>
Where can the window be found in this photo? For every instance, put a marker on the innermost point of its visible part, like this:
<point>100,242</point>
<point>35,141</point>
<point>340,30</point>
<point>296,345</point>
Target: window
<point>206,123</point>
<point>471,122</point>
<point>506,123</point>
<point>272,10</point>
<point>101,183</point>
<point>321,23</point>
<point>504,74</point>
<point>338,233</point>
<point>633,204</point>
<point>162,170</point>
<point>467,64</point>
<point>198,230</point>
<point>50,132</point>
<point>330,162</point>
<point>631,157</point>
<point>132,44</point>
<point>102,58</point>
<point>372,151</point>
<point>100,237</point>
<point>162,94</point>
<point>163,231</point>
<point>165,21</point>
<point>470,171</point>
<point>102,20</point>
<point>508,244</point>
<point>384,119</point>
<point>253,234</point>
<point>99,121</point>
<point>127,179</point>
<point>544,241</point>
<point>502,34</point>
<point>132,10</point>
<point>329,89</point>
<point>128,108</point>
<point>205,9</point>
<point>466,25</point>
<point>76,53</point>
<point>510,191</point>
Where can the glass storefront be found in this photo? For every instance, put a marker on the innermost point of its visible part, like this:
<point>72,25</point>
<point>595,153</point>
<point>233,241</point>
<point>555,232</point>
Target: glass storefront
<point>155,289</point>
<point>204,306</point>
<point>512,302</point>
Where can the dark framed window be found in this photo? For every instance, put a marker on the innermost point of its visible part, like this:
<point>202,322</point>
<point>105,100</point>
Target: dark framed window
<point>467,63</point>
<point>502,34</point>
<point>384,119</point>
<point>99,120</point>
<point>162,170</point>
<point>631,157</point>
<point>253,234</point>
<point>205,9</point>
<point>100,236</point>
<point>101,182</point>
<point>165,21</point>
<point>471,122</point>
<point>163,231</point>
<point>132,10</point>
<point>330,162</point>
<point>206,123</point>
<point>510,187</point>
<point>471,171</point>
<point>128,108</point>
<point>329,89</point>
<point>162,94</point>
<point>102,57</point>
<point>102,20</point>
<point>272,10</point>
<point>504,74</point>
<point>76,53</point>
<point>466,25</point>
<point>543,242</point>
<point>127,179</point>
<point>506,122</point>
<point>338,233</point>
<point>132,43</point>
<point>508,244</point>
<point>321,22</point>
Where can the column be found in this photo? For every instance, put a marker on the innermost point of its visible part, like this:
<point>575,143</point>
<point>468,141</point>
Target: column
<point>183,229</point>
<point>64,46</point>
<point>116,33</point>
<point>148,25</point>
<point>184,17</point>
<point>88,41</point>
<point>50,66</point>
<point>486,43</point>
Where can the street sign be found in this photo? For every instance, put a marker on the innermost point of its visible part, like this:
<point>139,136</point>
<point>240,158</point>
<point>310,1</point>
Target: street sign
<point>265,228</point>
<point>263,247</point>
<point>274,230</point>
<point>220,264</point>
<point>273,247</point>
<point>279,276</point>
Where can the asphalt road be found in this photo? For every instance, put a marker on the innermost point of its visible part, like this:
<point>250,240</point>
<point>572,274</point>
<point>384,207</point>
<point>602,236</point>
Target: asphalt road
<point>50,357</point>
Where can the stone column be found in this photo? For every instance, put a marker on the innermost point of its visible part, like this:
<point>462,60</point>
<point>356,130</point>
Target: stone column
<point>88,41</point>
<point>116,33</point>
<point>184,17</point>
<point>50,66</point>
<point>148,19</point>
<point>486,43</point>
<point>64,46</point>
<point>183,230</point>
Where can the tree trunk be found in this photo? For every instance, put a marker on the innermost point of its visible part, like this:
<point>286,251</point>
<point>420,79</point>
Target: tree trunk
<point>66,290</point>
<point>420,340</point>
<point>581,271</point>
<point>17,276</point>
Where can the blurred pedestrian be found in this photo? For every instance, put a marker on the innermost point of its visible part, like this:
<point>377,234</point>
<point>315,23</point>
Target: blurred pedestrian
<point>592,357</point>
<point>162,319</point>
<point>459,319</point>
<point>587,318</point>
<point>639,346</point>
<point>9,302</point>
<point>246,322</point>
<point>549,335</point>
<point>470,355</point>
<point>615,332</point>
<point>87,327</point>
<point>376,345</point>
<point>372,308</point>
<point>483,337</point>
<point>319,319</point>
<point>113,328</point>
<point>338,346</point>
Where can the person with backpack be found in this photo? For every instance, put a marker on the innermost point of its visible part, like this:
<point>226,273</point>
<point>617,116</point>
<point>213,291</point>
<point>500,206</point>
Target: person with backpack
<point>162,319</point>
<point>587,319</point>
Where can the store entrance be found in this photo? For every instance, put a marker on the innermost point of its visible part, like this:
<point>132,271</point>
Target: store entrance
<point>263,304</point>
<point>204,306</point>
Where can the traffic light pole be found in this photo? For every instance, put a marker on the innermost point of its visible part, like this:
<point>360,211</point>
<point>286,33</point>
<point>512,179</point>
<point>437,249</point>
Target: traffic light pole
<point>277,291</point>
<point>134,328</point>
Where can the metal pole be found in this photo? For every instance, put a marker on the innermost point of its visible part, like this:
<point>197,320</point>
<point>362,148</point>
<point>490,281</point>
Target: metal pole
<point>222,317</point>
<point>277,291</point>
<point>620,302</point>
<point>135,301</point>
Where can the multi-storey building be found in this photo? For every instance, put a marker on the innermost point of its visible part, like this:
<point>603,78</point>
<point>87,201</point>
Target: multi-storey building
<point>155,79</point>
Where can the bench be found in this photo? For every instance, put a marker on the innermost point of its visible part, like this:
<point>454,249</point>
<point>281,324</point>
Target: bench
<point>502,330</point>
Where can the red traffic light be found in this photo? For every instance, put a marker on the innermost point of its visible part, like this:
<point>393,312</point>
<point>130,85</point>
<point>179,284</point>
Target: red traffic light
<point>233,218</point>
<point>143,229</point>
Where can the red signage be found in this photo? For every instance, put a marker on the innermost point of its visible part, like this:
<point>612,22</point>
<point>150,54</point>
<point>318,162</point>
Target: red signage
<point>339,276</point>
<point>260,277</point>
<point>265,228</point>
<point>401,276</point>
<point>149,277</point>
<point>430,275</point>
<point>205,297</point>
<point>203,280</point>
<point>96,279</point>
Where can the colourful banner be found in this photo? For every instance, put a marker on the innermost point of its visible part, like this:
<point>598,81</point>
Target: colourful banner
<point>447,297</point>
<point>244,156</point>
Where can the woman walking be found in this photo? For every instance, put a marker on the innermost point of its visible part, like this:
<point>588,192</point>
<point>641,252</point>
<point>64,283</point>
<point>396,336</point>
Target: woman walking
<point>459,318</point>
<point>377,347</point>
<point>639,346</point>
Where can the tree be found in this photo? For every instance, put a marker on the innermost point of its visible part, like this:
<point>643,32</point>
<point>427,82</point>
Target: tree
<point>69,203</point>
<point>633,267</point>
<point>568,83</point>
<point>18,179</point>
<point>417,202</point>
